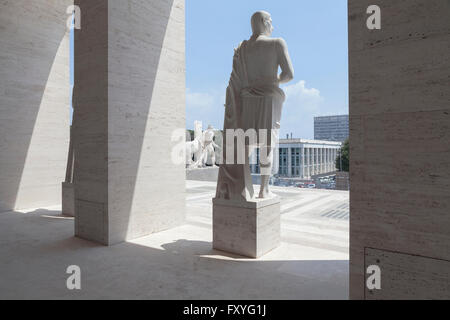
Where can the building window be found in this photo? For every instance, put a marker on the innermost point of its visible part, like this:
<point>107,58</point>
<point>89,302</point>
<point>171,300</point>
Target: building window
<point>256,169</point>
<point>296,161</point>
<point>283,170</point>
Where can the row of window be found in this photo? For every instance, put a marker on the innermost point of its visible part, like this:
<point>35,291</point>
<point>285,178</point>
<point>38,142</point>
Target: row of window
<point>296,161</point>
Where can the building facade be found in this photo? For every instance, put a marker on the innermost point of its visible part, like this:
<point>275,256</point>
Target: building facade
<point>301,158</point>
<point>331,128</point>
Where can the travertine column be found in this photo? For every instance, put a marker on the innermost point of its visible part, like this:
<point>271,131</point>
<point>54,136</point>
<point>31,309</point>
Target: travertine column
<point>303,168</point>
<point>289,162</point>
<point>335,154</point>
<point>330,159</point>
<point>322,158</point>
<point>130,98</point>
<point>34,102</point>
<point>316,160</point>
<point>334,158</point>
<point>330,168</point>
<point>308,162</point>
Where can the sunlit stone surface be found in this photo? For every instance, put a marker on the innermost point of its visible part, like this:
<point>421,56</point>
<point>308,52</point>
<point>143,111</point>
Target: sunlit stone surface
<point>310,263</point>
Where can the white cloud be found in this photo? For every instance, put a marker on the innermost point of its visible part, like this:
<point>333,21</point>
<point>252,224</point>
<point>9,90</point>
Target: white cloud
<point>206,106</point>
<point>301,105</point>
<point>298,95</point>
<point>299,109</point>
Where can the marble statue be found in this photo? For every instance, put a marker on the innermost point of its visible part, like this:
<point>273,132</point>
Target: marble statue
<point>202,149</point>
<point>254,101</point>
<point>210,147</point>
<point>194,149</point>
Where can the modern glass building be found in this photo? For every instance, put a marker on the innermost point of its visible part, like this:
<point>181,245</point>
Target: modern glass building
<point>331,128</point>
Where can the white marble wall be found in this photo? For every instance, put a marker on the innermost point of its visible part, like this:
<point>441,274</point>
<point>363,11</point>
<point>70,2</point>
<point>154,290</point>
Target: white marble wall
<point>34,102</point>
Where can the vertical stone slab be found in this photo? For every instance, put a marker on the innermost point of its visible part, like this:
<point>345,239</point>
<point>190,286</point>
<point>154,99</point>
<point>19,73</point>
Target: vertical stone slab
<point>34,102</point>
<point>90,122</point>
<point>139,57</point>
<point>399,139</point>
<point>146,105</point>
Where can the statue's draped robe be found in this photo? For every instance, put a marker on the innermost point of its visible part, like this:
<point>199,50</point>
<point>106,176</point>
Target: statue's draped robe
<point>248,106</point>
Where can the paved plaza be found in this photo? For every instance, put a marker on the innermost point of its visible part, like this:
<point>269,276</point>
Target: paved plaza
<point>312,262</point>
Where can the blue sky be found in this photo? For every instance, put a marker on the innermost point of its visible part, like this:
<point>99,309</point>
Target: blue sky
<point>316,34</point>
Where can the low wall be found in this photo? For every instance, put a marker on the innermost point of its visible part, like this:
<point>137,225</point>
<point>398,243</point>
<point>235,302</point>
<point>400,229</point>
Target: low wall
<point>203,174</point>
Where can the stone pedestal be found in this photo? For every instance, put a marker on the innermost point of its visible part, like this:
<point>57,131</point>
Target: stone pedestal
<point>68,199</point>
<point>250,229</point>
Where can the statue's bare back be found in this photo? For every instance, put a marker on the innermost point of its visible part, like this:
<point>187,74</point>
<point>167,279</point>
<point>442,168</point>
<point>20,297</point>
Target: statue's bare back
<point>254,101</point>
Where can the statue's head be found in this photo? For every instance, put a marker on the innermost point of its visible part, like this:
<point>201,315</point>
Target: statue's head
<point>262,23</point>
<point>210,127</point>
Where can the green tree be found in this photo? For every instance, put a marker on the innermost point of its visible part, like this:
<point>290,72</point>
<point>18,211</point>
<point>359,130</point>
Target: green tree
<point>345,157</point>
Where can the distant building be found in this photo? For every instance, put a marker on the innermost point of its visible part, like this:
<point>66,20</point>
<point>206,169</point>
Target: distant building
<point>301,158</point>
<point>331,128</point>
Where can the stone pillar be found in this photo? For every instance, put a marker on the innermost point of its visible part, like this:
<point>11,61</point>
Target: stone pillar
<point>34,101</point>
<point>334,159</point>
<point>399,110</point>
<point>289,161</point>
<point>308,163</point>
<point>130,99</point>
<point>331,166</point>
<point>303,168</point>
<point>329,169</point>
<point>321,161</point>
<point>330,158</point>
<point>316,160</point>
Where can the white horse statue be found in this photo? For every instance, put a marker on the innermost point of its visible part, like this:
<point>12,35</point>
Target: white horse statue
<point>194,148</point>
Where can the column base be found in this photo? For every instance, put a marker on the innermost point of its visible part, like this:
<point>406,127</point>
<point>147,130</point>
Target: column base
<point>251,229</point>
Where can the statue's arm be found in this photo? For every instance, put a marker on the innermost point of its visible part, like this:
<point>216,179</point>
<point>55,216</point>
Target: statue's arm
<point>287,69</point>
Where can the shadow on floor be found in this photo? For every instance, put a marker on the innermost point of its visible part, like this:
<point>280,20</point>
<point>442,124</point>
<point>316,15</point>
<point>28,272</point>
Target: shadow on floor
<point>40,247</point>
